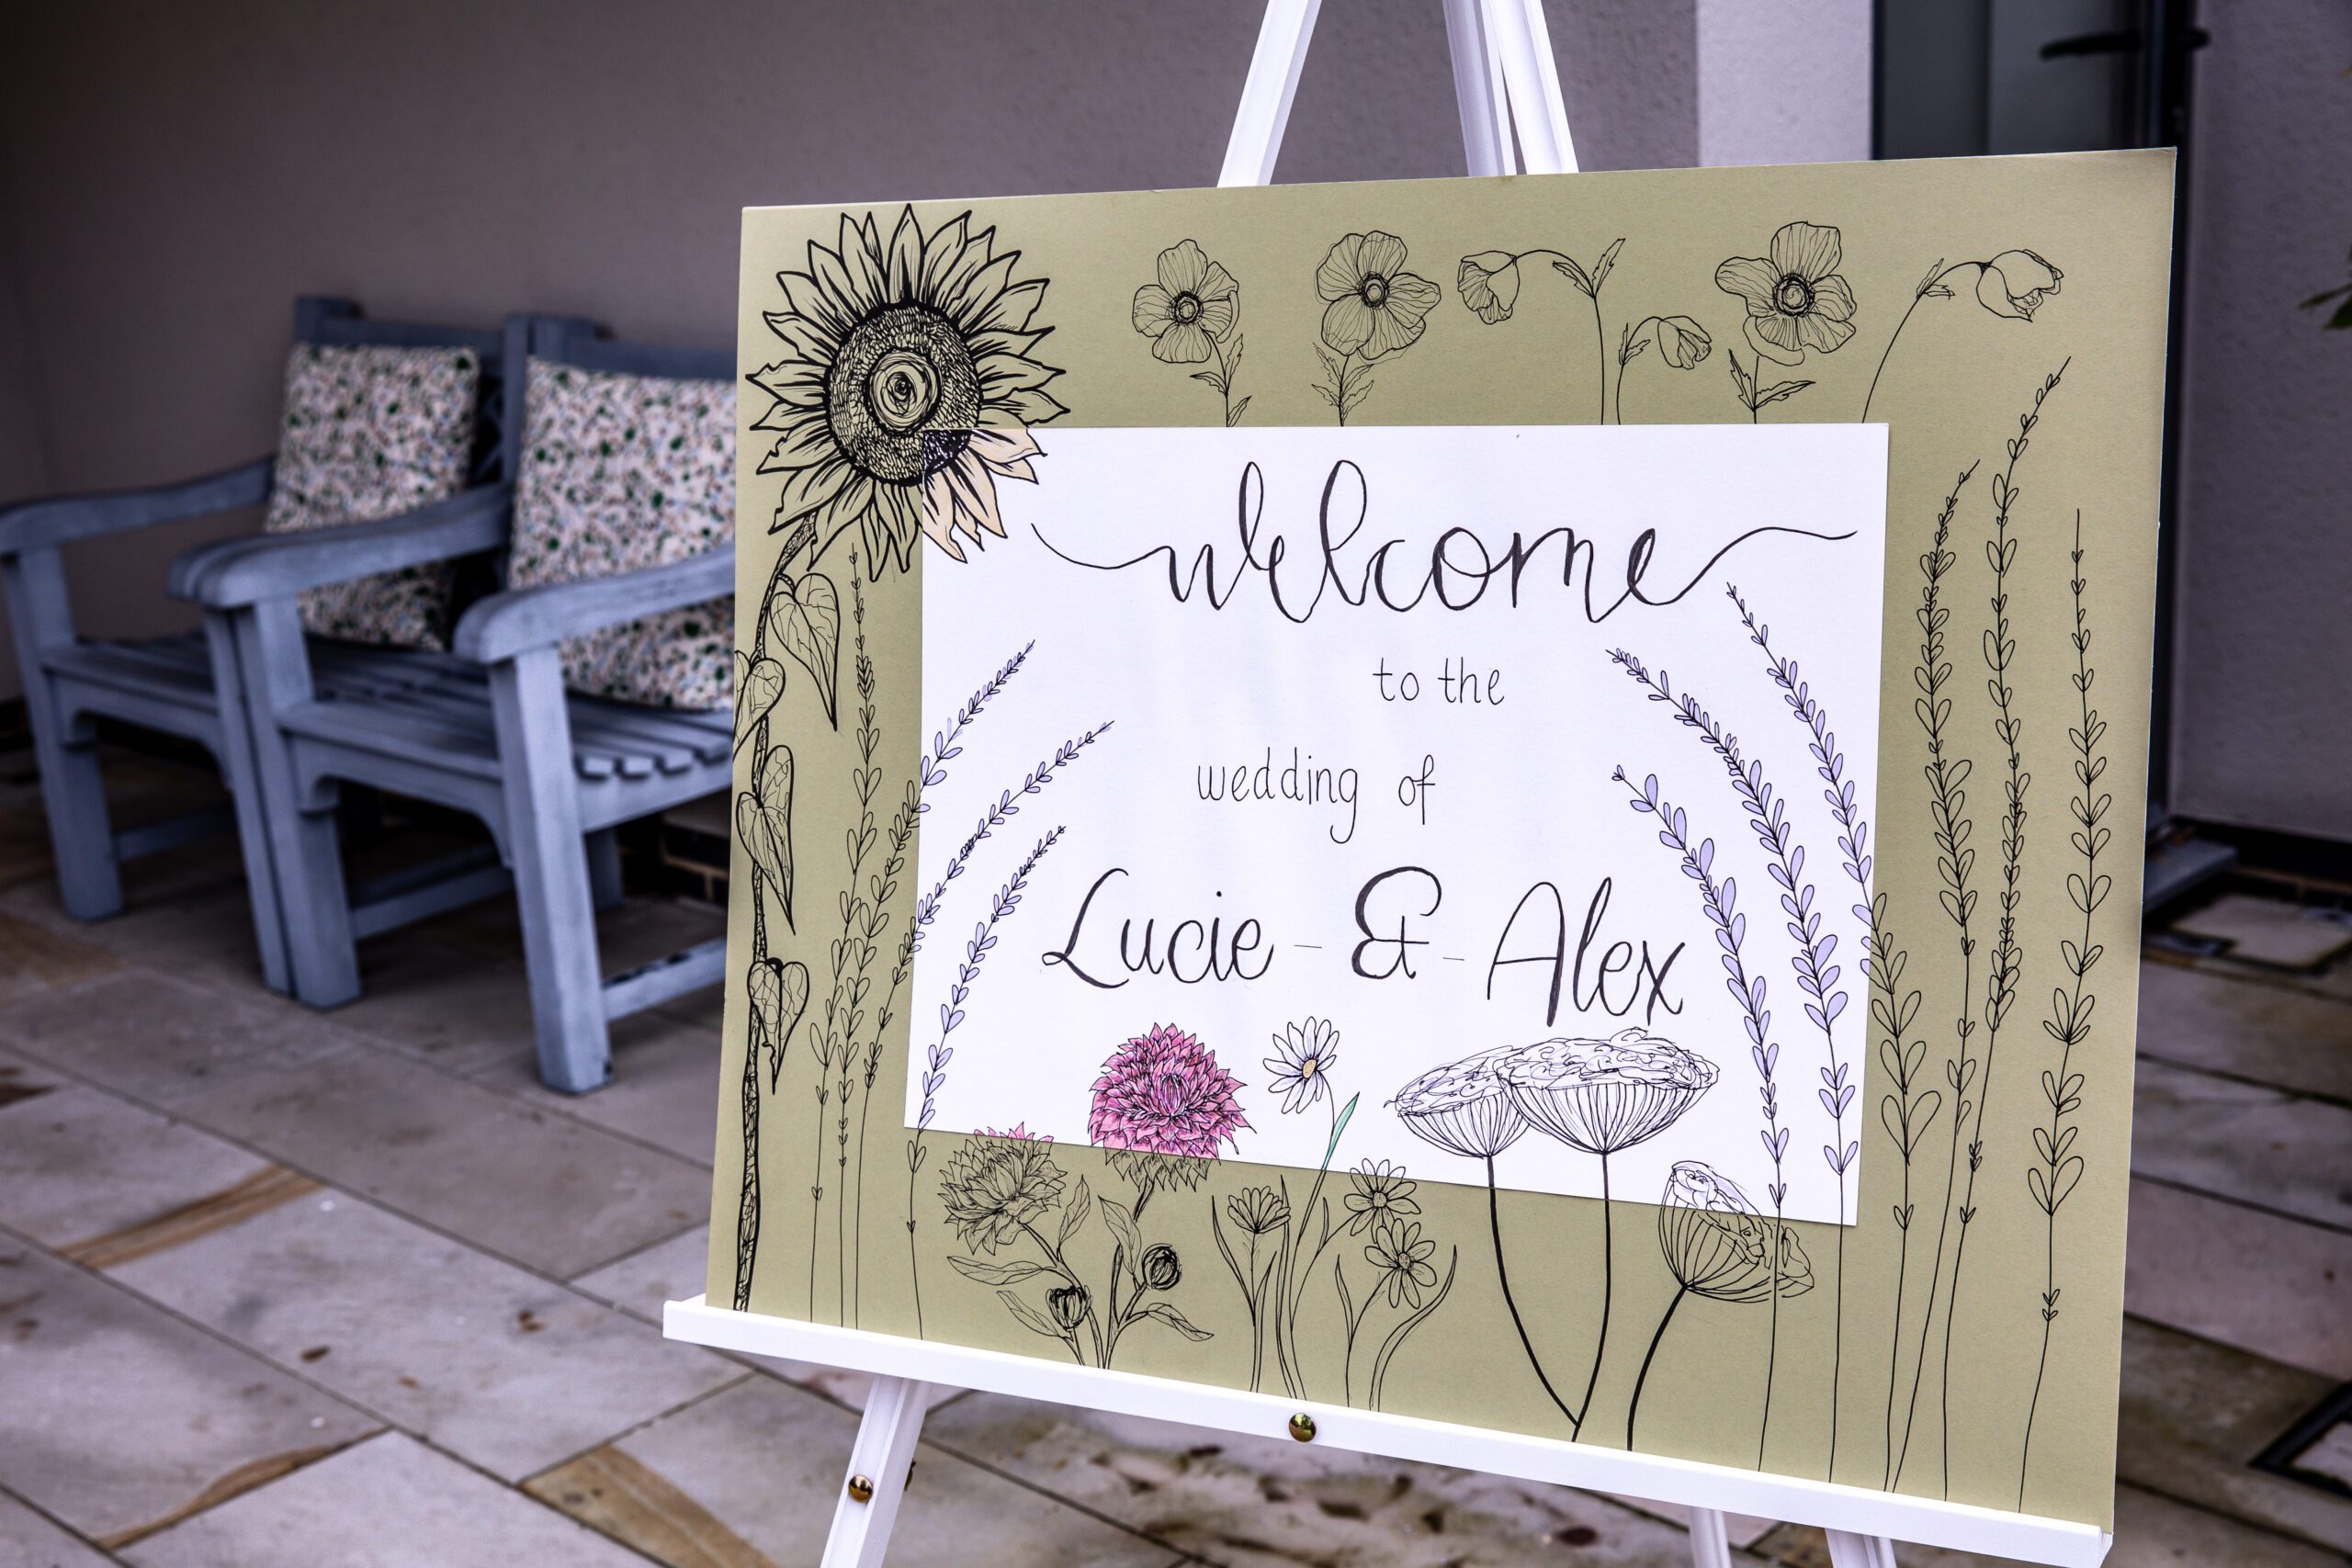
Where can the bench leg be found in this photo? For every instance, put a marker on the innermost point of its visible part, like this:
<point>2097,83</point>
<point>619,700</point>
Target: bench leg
<point>88,882</point>
<point>305,851</point>
<point>605,867</point>
<point>551,882</point>
<point>236,760</point>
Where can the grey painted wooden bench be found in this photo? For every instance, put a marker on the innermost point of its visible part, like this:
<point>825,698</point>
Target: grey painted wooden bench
<point>186,684</point>
<point>489,729</point>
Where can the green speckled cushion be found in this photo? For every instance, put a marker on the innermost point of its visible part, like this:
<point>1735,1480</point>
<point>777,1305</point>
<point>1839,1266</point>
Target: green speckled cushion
<point>372,433</point>
<point>622,472</point>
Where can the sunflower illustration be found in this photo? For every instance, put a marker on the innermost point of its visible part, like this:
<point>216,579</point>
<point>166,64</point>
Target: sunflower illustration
<point>908,388</point>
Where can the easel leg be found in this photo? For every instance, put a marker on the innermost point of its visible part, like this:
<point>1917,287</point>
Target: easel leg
<point>1710,1545</point>
<point>877,1474</point>
<point>1847,1550</point>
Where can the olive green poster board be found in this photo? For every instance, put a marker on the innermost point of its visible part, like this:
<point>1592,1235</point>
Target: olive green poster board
<point>1906,981</point>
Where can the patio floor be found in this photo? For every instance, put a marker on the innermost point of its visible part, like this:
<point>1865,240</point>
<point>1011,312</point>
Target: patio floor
<point>286,1289</point>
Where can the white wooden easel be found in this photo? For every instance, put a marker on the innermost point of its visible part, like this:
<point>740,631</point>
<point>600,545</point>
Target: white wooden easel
<point>1504,80</point>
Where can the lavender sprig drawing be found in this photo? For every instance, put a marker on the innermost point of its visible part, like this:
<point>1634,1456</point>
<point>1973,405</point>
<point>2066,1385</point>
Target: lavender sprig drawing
<point>1955,863</point>
<point>1720,900</point>
<point>947,745</point>
<point>2006,962</point>
<point>2052,1178</point>
<point>1008,805</point>
<point>1816,976</point>
<point>1907,1114</point>
<point>1836,1093</point>
<point>951,1013</point>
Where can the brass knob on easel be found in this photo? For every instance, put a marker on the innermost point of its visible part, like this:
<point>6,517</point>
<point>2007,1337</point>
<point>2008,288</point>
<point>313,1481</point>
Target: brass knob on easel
<point>860,1489</point>
<point>1302,1427</point>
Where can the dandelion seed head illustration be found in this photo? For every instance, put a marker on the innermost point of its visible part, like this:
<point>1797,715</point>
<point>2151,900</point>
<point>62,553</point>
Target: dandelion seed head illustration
<point>1605,1095</point>
<point>1464,1106</point>
<point>1719,1246</point>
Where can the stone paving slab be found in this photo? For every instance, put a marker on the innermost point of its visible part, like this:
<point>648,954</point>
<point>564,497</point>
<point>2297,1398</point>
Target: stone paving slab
<point>543,1189</point>
<point>28,1540</point>
<point>122,1418</point>
<point>2195,1414</point>
<point>2190,1258</point>
<point>2272,1034</point>
<point>1259,1503</point>
<point>500,1368</point>
<point>755,1468</point>
<point>34,957</point>
<point>77,1164</point>
<point>388,1503</point>
<point>2260,1146</point>
<point>664,1089</point>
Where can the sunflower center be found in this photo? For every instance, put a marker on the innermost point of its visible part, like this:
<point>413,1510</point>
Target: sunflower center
<point>1793,295</point>
<point>1186,309</point>
<point>902,391</point>
<point>1374,290</point>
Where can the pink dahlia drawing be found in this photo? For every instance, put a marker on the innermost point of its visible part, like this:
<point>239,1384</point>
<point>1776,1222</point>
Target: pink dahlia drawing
<point>1164,1093</point>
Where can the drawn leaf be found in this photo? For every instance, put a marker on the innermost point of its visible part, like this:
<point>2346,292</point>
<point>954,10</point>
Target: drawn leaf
<point>1779,390</point>
<point>1077,1206</point>
<point>1029,1317</point>
<point>1167,1313</point>
<point>1233,416</point>
<point>1010,1273</point>
<point>780,1000</point>
<point>1608,260</point>
<point>805,616</point>
<point>763,822</point>
<point>1123,1225</point>
<point>758,684</point>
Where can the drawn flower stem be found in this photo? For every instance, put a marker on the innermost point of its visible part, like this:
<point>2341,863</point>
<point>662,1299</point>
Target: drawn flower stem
<point>1396,1337</point>
<point>2053,1178</point>
<point>1948,816</point>
<point>1853,843</point>
<point>1495,1222</point>
<point>2002,969</point>
<point>886,885</point>
<point>1930,287</point>
<point>1905,1115</point>
<point>1633,1405</point>
<point>1720,902</point>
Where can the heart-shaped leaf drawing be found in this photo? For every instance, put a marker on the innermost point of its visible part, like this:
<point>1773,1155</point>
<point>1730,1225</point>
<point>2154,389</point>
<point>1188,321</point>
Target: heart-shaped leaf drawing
<point>758,684</point>
<point>779,998</point>
<point>805,616</point>
<point>763,822</point>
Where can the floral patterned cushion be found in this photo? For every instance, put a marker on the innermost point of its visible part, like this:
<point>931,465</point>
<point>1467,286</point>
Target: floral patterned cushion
<point>371,433</point>
<point>622,472</point>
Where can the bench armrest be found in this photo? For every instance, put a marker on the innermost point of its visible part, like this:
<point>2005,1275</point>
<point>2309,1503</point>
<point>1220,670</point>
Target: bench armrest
<point>521,619</point>
<point>58,520</point>
<point>234,572</point>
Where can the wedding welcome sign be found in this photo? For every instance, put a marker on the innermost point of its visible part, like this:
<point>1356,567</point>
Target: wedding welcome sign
<point>1507,801</point>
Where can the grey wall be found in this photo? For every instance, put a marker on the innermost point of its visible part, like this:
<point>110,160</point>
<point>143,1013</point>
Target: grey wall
<point>2263,736</point>
<point>175,174</point>
<point>1786,83</point>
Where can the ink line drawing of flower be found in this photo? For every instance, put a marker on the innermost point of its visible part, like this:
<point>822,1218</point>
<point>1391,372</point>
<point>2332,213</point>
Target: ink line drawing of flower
<point>908,388</point>
<point>1402,1257</point>
<point>1161,1106</point>
<point>1195,303</point>
<point>1379,1193</point>
<point>1371,308</point>
<point>1020,1130</point>
<point>1602,1096</point>
<point>1796,299</point>
<point>1718,1245</point>
<point>1488,284</point>
<point>1303,1055</point>
<point>994,1187</point>
<point>1464,1106</point>
<point>1260,1211</point>
<point>1375,307</point>
<point>2016,283</point>
<point>1190,314</point>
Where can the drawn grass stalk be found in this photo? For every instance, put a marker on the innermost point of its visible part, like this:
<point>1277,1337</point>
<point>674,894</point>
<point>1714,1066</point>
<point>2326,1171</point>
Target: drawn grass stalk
<point>2053,1179</point>
<point>1955,860</point>
<point>1816,976</point>
<point>885,887</point>
<point>1853,844</point>
<point>1720,901</point>
<point>1906,1117</point>
<point>951,1013</point>
<point>2004,967</point>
